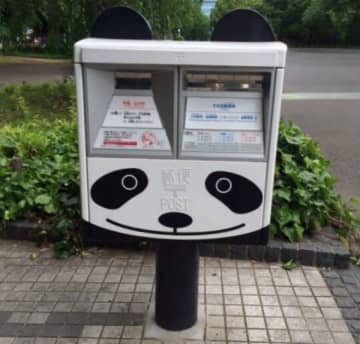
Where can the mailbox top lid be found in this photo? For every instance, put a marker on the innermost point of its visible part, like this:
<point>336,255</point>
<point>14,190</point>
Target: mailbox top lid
<point>180,53</point>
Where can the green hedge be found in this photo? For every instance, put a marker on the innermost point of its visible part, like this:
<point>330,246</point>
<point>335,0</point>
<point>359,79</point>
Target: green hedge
<point>39,175</point>
<point>304,196</point>
<point>48,101</point>
<point>39,170</point>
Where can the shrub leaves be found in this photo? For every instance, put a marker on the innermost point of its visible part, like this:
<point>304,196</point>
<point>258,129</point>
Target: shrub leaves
<point>46,187</point>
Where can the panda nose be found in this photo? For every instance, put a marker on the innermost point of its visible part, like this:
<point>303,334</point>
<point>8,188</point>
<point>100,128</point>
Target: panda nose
<point>175,220</point>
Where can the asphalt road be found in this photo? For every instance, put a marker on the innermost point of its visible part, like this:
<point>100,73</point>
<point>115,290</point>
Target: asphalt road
<point>335,124</point>
<point>308,70</point>
<point>34,72</point>
<point>323,70</point>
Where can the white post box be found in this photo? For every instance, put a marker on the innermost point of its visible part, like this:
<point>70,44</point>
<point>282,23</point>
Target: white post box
<point>178,142</point>
<point>178,139</point>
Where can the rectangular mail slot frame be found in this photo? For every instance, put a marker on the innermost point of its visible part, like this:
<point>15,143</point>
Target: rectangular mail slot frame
<point>131,110</point>
<point>225,113</point>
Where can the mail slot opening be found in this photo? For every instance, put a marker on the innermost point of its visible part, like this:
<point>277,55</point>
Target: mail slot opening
<point>202,81</point>
<point>225,114</point>
<point>135,115</point>
<point>133,81</point>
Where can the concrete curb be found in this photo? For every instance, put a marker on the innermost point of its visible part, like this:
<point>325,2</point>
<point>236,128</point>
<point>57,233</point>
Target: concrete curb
<point>323,249</point>
<point>277,251</point>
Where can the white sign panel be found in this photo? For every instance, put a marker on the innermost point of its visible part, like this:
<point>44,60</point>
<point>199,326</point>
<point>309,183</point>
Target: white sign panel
<point>134,196</point>
<point>243,113</point>
<point>132,112</point>
<point>223,141</point>
<point>125,138</point>
<point>132,122</point>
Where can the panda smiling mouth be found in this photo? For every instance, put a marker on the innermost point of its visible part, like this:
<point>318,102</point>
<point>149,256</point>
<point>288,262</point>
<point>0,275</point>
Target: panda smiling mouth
<point>174,229</point>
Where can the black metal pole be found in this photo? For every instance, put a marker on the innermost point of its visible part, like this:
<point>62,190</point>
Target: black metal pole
<point>177,279</point>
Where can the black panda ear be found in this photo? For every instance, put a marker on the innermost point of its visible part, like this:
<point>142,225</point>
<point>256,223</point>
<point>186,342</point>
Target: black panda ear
<point>121,23</point>
<point>112,190</point>
<point>239,194</point>
<point>243,25</point>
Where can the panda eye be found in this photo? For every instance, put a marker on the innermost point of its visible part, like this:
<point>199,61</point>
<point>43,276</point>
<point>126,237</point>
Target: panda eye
<point>114,189</point>
<point>129,182</point>
<point>236,192</point>
<point>223,185</point>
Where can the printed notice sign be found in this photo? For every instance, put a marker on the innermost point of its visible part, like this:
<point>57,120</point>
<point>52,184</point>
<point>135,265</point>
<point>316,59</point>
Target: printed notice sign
<point>243,113</point>
<point>132,122</point>
<point>211,141</point>
<point>132,112</point>
<point>124,138</point>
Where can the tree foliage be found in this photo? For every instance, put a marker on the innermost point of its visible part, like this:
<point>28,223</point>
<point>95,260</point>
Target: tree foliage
<point>65,21</point>
<point>62,22</point>
<point>224,6</point>
<point>305,22</point>
<point>345,18</point>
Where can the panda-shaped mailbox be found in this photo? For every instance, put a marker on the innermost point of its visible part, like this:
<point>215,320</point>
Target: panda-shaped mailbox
<point>178,139</point>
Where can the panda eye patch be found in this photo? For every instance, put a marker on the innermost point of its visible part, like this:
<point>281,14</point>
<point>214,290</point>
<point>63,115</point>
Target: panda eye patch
<point>114,189</point>
<point>238,193</point>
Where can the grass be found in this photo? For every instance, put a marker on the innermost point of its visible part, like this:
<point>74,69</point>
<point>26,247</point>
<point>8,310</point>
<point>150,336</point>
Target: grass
<point>37,53</point>
<point>7,59</point>
<point>49,100</point>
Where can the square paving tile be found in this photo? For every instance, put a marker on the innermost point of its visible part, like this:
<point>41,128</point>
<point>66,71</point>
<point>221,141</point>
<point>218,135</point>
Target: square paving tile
<point>103,299</point>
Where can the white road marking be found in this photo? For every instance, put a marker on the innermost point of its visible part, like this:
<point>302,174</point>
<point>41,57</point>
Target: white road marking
<point>322,96</point>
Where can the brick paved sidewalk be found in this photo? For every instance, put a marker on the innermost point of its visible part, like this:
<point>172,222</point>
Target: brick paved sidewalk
<point>345,286</point>
<point>103,297</point>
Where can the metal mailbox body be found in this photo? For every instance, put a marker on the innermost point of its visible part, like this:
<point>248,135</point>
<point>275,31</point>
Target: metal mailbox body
<point>178,139</point>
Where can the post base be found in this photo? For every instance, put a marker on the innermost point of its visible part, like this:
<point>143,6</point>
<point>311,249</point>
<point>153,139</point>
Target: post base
<point>177,279</point>
<point>153,331</point>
